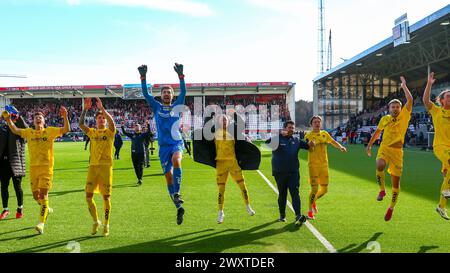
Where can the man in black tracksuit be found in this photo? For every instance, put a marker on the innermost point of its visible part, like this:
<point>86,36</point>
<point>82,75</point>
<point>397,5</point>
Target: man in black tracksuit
<point>12,165</point>
<point>147,141</point>
<point>285,169</point>
<point>138,149</point>
<point>118,143</point>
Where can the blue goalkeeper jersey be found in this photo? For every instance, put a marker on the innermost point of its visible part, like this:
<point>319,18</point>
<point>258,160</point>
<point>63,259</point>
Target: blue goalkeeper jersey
<point>167,121</point>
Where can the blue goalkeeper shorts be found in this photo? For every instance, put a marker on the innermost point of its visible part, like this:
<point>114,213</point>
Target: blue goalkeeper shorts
<point>165,155</point>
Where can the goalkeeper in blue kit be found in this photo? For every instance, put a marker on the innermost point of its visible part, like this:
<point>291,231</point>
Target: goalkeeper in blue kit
<point>170,142</point>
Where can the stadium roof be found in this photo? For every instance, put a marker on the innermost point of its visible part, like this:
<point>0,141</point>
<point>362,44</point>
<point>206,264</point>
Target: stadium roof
<point>429,45</point>
<point>117,89</point>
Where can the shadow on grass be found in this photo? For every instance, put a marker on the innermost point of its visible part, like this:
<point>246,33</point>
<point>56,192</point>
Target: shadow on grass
<point>210,241</point>
<point>153,174</point>
<point>18,230</point>
<point>355,248</point>
<point>425,249</point>
<point>55,245</point>
<point>125,186</point>
<point>122,169</point>
<point>60,193</point>
<point>73,169</point>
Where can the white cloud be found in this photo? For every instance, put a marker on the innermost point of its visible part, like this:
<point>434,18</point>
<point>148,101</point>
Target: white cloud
<point>188,7</point>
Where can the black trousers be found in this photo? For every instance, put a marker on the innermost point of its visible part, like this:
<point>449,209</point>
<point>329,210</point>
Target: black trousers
<point>291,182</point>
<point>117,153</point>
<point>5,176</point>
<point>147,156</point>
<point>138,164</point>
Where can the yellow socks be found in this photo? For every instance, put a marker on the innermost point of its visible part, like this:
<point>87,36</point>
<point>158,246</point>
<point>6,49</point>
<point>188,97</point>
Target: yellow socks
<point>312,195</point>
<point>445,186</point>
<point>322,191</point>
<point>44,210</point>
<point>244,192</point>
<point>107,208</point>
<point>381,177</point>
<point>92,209</point>
<point>395,193</point>
<point>221,198</point>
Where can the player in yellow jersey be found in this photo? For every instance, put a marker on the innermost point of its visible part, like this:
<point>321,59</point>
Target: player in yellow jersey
<point>226,163</point>
<point>318,162</point>
<point>441,144</point>
<point>40,148</point>
<point>394,127</point>
<point>99,177</point>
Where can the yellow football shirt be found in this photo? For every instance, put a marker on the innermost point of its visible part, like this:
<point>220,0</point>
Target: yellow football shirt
<point>224,145</point>
<point>318,156</point>
<point>441,122</point>
<point>394,128</point>
<point>102,141</point>
<point>40,145</point>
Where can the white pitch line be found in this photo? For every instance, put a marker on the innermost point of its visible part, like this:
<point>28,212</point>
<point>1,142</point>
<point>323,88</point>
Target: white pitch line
<point>311,228</point>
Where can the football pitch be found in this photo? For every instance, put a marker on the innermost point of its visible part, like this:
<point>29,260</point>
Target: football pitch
<point>143,219</point>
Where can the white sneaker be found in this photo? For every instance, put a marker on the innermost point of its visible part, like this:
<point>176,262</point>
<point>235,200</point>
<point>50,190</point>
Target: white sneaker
<point>40,228</point>
<point>442,212</point>
<point>106,230</point>
<point>95,227</point>
<point>446,194</point>
<point>250,211</point>
<point>220,217</point>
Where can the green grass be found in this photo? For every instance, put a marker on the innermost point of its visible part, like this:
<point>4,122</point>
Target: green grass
<point>143,218</point>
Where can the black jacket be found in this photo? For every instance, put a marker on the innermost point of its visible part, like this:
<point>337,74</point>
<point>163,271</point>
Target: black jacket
<point>13,147</point>
<point>247,154</point>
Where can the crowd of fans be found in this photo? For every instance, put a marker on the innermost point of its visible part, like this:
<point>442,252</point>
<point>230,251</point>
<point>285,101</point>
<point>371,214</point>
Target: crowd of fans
<point>420,123</point>
<point>127,112</point>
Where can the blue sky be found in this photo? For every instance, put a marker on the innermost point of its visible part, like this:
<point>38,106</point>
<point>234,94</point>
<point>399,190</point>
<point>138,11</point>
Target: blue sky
<point>59,42</point>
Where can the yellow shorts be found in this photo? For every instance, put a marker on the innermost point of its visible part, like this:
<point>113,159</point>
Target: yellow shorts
<point>393,157</point>
<point>318,175</point>
<point>443,154</point>
<point>99,179</point>
<point>225,167</point>
<point>41,177</point>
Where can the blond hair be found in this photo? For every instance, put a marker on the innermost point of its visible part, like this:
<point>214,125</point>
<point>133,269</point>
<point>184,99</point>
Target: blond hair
<point>441,96</point>
<point>313,118</point>
<point>395,101</point>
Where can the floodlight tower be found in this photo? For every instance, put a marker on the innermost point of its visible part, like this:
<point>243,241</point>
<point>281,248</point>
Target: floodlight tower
<point>329,53</point>
<point>321,38</point>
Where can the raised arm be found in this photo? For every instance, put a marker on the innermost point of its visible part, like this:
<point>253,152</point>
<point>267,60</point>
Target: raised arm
<point>179,69</point>
<point>11,124</point>
<point>125,132</point>
<point>109,118</point>
<point>87,104</point>
<point>375,136</point>
<point>427,94</point>
<point>409,97</point>
<point>66,128</point>
<point>147,95</point>
<point>20,123</point>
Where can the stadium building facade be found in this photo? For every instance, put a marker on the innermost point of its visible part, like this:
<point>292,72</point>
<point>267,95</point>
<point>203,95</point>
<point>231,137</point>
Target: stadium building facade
<point>360,83</point>
<point>259,94</point>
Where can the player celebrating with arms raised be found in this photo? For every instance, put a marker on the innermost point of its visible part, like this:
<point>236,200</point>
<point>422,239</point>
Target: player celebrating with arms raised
<point>40,144</point>
<point>318,162</point>
<point>100,172</point>
<point>394,127</point>
<point>170,141</point>
<point>441,143</point>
